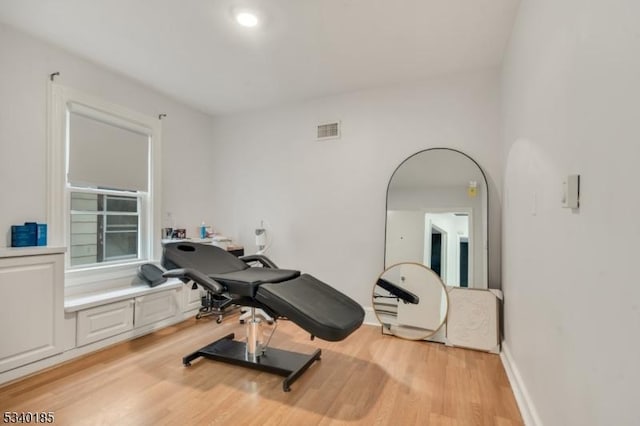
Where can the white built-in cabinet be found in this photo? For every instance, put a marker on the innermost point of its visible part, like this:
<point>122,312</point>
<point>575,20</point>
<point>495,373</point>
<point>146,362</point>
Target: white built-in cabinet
<point>100,322</point>
<point>132,311</point>
<point>156,307</point>
<point>110,319</point>
<point>39,327</point>
<point>32,297</point>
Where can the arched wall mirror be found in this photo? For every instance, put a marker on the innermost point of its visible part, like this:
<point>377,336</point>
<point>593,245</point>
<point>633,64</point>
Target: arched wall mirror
<point>410,301</point>
<point>437,212</point>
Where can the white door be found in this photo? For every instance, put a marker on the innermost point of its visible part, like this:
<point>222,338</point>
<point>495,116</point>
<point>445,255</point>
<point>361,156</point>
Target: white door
<point>405,237</point>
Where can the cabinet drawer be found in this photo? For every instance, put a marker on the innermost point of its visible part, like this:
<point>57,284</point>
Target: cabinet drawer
<point>104,321</point>
<point>156,307</point>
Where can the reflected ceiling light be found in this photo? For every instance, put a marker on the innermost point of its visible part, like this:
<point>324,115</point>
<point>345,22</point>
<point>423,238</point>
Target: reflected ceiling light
<point>247,19</point>
<point>472,189</point>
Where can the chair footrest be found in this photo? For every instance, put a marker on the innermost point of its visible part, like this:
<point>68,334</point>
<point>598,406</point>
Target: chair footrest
<point>316,307</point>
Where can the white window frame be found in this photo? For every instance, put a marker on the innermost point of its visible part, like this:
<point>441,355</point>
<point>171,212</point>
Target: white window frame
<point>63,100</point>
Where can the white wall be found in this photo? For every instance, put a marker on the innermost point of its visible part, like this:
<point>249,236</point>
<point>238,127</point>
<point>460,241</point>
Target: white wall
<point>325,201</point>
<point>26,65</point>
<point>572,294</point>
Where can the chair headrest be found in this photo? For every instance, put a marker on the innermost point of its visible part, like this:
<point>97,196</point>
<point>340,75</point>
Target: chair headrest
<point>205,258</point>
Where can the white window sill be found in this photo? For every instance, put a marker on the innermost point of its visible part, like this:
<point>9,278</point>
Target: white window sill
<point>85,301</point>
<point>102,278</point>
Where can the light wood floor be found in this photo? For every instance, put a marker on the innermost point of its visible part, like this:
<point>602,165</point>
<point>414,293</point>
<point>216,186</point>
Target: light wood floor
<point>366,379</point>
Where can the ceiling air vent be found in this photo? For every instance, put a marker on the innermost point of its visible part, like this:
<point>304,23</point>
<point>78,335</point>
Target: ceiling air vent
<point>328,131</point>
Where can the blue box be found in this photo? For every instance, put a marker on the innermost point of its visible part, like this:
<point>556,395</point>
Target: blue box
<point>42,234</point>
<point>24,235</point>
<point>28,235</point>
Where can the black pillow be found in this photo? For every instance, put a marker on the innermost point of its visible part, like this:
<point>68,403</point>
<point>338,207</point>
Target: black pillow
<point>151,274</point>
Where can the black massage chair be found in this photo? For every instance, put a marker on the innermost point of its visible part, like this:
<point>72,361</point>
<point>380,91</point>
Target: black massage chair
<point>282,293</point>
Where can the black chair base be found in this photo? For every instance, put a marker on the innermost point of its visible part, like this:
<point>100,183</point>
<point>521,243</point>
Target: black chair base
<point>289,364</point>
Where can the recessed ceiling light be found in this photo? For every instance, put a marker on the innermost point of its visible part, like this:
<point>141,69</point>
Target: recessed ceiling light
<point>247,19</point>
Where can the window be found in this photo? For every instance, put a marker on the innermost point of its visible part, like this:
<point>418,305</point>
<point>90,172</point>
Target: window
<point>104,228</point>
<point>104,185</point>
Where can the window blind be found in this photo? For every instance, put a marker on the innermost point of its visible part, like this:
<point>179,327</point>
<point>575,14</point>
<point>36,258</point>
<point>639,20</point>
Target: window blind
<point>105,155</point>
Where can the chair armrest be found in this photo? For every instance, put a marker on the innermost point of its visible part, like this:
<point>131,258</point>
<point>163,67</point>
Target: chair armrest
<point>264,260</point>
<point>405,295</point>
<point>197,277</point>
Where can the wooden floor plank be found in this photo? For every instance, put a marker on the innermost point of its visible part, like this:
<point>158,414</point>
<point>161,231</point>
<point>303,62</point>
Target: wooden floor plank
<point>369,378</point>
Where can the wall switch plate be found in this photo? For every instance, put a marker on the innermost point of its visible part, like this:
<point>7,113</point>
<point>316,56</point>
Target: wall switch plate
<point>571,192</point>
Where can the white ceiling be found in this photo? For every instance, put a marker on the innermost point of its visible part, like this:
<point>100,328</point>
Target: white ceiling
<point>193,51</point>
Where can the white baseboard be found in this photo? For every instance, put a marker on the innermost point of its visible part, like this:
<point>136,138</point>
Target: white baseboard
<point>525,404</point>
<point>370,317</point>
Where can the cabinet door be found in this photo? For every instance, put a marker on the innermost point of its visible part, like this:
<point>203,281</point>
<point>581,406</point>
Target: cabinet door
<point>156,307</point>
<point>192,298</point>
<point>104,321</point>
<point>32,314</point>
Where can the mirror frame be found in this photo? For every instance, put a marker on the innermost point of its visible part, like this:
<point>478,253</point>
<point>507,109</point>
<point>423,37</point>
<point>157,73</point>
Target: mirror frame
<point>486,191</point>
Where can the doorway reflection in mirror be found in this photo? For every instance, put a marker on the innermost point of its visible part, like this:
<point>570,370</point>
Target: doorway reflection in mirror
<point>439,240</point>
<point>446,248</point>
